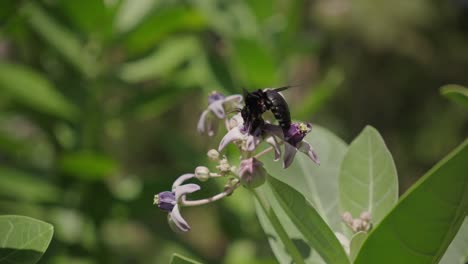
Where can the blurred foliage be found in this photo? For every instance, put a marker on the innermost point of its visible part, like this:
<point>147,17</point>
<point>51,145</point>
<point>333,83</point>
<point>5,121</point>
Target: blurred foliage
<point>99,102</point>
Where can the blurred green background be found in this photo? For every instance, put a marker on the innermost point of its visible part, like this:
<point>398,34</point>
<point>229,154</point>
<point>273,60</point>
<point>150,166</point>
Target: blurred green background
<point>99,102</point>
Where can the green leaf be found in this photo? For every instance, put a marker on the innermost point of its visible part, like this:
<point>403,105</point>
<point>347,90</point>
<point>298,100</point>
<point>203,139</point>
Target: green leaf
<point>368,179</point>
<point>170,55</point>
<point>316,231</point>
<point>23,186</point>
<point>23,239</point>
<point>178,259</point>
<point>90,16</point>
<point>456,93</point>
<point>318,184</point>
<point>63,40</point>
<point>160,24</point>
<point>427,217</point>
<point>457,252</point>
<point>282,253</point>
<point>355,244</point>
<point>88,165</point>
<point>31,89</point>
<point>255,63</point>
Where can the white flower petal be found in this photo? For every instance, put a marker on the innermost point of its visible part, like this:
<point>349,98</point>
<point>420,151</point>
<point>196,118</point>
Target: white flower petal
<point>236,98</point>
<point>202,122</point>
<point>218,109</point>
<point>252,142</point>
<point>178,220</point>
<point>181,180</point>
<point>185,189</point>
<point>232,135</point>
<point>306,148</point>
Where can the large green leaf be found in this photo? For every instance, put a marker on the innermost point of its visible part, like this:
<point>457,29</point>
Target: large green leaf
<point>178,259</point>
<point>31,89</point>
<point>457,252</point>
<point>315,230</point>
<point>368,179</point>
<point>427,217</point>
<point>355,244</point>
<point>23,239</point>
<point>456,93</point>
<point>319,184</point>
<point>282,254</point>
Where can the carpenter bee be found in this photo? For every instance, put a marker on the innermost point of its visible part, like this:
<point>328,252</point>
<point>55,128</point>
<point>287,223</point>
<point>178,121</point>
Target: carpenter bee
<point>260,101</point>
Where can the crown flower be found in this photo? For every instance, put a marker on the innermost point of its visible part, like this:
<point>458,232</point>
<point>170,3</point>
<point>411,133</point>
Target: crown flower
<point>253,136</point>
<point>217,105</point>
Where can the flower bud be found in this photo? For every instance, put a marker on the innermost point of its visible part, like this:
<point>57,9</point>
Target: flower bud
<point>347,218</point>
<point>224,166</point>
<point>251,173</point>
<point>213,155</point>
<point>366,216</point>
<point>357,225</point>
<point>202,173</point>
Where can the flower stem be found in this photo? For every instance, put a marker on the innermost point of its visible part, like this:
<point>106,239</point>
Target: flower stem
<point>263,152</point>
<point>218,196</point>
<point>279,229</point>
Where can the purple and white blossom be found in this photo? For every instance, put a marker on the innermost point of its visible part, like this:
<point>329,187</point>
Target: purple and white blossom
<point>217,105</point>
<point>169,202</point>
<point>249,141</point>
<point>248,137</point>
<point>294,142</point>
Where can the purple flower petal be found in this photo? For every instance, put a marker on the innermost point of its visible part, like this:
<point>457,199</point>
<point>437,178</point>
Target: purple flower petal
<point>289,153</point>
<point>178,220</point>
<point>232,135</point>
<point>214,97</point>
<point>306,148</point>
<point>296,132</point>
<point>218,109</point>
<point>185,189</point>
<point>166,201</point>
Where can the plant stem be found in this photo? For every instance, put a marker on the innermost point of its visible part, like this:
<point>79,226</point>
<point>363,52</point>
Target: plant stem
<point>283,235</point>
<point>263,152</point>
<point>218,196</point>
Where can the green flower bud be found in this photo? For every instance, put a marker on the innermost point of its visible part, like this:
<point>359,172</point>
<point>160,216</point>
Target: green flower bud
<point>202,173</point>
<point>213,154</point>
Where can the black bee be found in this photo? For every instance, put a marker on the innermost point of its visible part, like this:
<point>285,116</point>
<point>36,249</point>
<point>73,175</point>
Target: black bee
<point>260,101</point>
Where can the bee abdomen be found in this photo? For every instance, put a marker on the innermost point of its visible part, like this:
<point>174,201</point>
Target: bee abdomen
<point>279,108</point>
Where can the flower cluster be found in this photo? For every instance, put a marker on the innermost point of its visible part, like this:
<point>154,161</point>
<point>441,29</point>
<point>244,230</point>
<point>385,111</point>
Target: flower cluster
<point>283,142</point>
<point>362,223</point>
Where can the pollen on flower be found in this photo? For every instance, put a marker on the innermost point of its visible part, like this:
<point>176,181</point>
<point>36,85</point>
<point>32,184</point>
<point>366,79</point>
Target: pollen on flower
<point>304,128</point>
<point>156,199</point>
